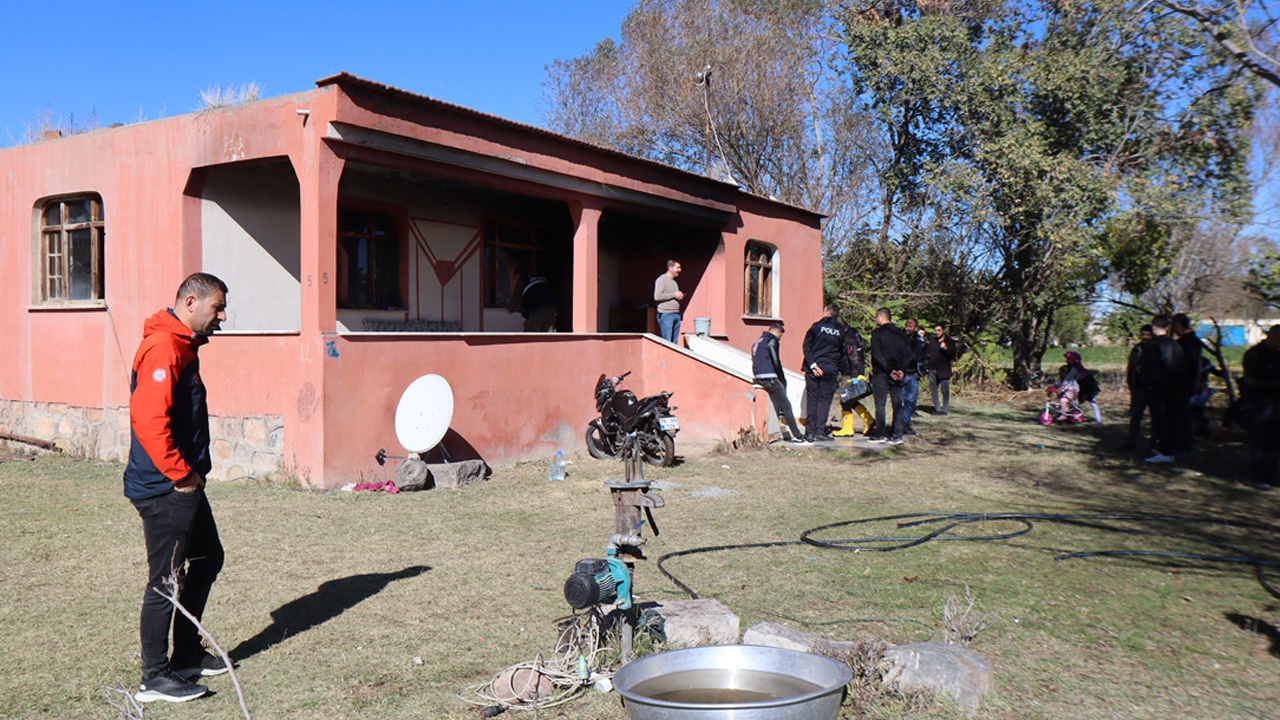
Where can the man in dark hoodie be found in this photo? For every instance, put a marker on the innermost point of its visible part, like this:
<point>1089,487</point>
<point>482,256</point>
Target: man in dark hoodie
<point>164,479</point>
<point>1164,378</point>
<point>891,359</point>
<point>1137,391</point>
<point>1193,358</point>
<point>824,358</point>
<point>766,366</point>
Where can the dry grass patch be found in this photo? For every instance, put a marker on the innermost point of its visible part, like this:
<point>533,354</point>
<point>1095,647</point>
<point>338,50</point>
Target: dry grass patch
<point>369,605</point>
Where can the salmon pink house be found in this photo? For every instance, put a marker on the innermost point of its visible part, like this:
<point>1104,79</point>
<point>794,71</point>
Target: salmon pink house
<point>370,236</point>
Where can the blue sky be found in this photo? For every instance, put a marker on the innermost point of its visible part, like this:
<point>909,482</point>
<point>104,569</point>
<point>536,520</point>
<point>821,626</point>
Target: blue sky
<point>130,61</point>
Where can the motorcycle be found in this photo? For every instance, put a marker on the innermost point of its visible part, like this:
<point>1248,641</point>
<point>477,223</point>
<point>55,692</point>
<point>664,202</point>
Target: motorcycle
<point>622,414</point>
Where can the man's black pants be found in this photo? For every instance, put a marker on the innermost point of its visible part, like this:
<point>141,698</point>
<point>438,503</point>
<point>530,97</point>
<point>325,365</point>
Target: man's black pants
<point>778,394</point>
<point>1137,408</point>
<point>1163,417</point>
<point>882,386</point>
<point>179,530</point>
<point>818,392</point>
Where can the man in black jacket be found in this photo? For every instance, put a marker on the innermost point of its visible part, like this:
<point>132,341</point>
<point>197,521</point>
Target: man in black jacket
<point>1260,407</point>
<point>918,369</point>
<point>1137,392</point>
<point>766,366</point>
<point>1164,378</point>
<point>824,358</point>
<point>1193,357</point>
<point>891,358</point>
<point>942,350</point>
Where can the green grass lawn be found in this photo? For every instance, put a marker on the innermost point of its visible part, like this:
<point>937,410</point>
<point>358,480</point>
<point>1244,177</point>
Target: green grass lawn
<point>368,605</point>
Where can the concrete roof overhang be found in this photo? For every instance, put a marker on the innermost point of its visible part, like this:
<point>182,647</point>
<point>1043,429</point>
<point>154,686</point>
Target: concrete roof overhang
<point>705,198</point>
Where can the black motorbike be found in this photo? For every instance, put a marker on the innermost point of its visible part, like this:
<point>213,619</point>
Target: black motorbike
<point>622,414</point>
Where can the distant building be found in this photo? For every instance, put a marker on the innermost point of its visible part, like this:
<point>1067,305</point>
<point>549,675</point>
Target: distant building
<point>369,236</point>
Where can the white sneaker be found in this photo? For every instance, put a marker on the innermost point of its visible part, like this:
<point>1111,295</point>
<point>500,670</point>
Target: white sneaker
<point>800,441</point>
<point>1160,458</point>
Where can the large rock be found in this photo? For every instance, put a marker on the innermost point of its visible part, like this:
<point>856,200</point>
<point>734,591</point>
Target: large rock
<point>941,669</point>
<point>932,667</point>
<point>457,474</point>
<point>780,636</point>
<point>412,474</point>
<point>692,623</point>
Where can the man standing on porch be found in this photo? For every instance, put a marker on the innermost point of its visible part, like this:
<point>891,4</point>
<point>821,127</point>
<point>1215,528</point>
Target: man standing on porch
<point>668,296</point>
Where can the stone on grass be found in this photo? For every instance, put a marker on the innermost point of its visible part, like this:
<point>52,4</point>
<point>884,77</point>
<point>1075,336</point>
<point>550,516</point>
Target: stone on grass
<point>941,669</point>
<point>457,474</point>
<point>780,636</point>
<point>412,474</point>
<point>692,623</point>
<point>932,667</point>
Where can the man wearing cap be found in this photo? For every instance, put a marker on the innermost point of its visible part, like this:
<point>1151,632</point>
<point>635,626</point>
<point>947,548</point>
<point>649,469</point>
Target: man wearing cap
<point>1260,407</point>
<point>766,366</point>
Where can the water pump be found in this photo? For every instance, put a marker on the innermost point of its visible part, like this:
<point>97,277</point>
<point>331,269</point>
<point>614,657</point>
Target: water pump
<point>599,582</point>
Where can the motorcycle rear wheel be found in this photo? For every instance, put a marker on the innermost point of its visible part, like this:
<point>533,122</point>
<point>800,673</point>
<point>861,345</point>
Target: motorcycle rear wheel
<point>659,449</point>
<point>598,444</point>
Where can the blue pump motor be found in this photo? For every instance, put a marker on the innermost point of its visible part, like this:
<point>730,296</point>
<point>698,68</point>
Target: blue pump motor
<point>599,582</point>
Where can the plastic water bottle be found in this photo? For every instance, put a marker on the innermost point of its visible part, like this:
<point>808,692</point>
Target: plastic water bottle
<point>556,472</point>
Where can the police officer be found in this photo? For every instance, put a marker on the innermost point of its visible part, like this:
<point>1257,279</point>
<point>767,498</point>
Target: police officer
<point>824,358</point>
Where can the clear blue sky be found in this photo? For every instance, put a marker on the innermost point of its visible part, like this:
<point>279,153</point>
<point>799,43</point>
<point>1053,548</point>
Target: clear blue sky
<point>126,61</point>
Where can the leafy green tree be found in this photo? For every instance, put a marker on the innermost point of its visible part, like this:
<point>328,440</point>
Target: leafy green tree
<point>1056,118</point>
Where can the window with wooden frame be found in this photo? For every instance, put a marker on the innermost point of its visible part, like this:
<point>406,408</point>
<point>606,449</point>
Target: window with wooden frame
<point>758,281</point>
<point>368,260</point>
<point>71,237</point>
<point>508,250</point>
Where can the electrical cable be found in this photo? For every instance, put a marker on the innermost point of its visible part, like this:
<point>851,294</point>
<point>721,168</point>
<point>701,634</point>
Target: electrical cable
<point>954,520</point>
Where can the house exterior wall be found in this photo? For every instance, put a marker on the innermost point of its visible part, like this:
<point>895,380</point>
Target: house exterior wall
<point>301,396</point>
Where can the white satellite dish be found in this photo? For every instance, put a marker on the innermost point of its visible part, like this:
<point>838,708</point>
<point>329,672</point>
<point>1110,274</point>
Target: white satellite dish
<point>424,413</point>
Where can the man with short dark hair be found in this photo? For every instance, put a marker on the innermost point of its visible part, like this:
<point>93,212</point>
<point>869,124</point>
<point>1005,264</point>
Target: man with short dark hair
<point>668,296</point>
<point>823,353</point>
<point>890,360</point>
<point>1193,357</point>
<point>1164,373</point>
<point>1137,391</point>
<point>165,479</point>
<point>766,366</point>
<point>942,350</point>
<point>918,369</point>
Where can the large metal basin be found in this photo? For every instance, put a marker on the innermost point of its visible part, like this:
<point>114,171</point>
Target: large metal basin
<point>732,682</point>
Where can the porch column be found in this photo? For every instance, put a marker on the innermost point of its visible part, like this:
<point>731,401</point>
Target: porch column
<point>586,265</point>
<point>307,442</point>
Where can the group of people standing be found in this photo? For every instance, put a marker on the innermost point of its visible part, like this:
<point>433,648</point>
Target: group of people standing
<point>1168,376</point>
<point>1166,370</point>
<point>900,358</point>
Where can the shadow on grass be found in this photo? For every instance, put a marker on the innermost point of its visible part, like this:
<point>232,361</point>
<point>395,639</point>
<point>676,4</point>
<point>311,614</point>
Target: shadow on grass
<point>330,600</point>
<point>1261,627</point>
<point>1198,506</point>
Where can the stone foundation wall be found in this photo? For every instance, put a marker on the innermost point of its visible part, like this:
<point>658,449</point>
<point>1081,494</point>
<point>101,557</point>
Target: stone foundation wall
<point>242,447</point>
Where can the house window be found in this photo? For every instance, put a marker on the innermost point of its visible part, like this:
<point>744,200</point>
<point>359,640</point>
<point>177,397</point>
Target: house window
<point>71,234</point>
<point>758,283</point>
<point>368,260</point>
<point>508,250</point>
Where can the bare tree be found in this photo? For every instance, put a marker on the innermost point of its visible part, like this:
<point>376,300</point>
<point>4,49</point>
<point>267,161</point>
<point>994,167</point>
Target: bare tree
<point>742,90</point>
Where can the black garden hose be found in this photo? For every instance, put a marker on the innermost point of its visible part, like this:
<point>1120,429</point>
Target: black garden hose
<point>954,520</point>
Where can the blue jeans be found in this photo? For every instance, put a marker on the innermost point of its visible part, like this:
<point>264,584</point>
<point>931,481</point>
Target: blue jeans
<point>910,394</point>
<point>669,326</point>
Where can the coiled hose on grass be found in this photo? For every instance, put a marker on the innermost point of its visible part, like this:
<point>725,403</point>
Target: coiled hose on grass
<point>951,521</point>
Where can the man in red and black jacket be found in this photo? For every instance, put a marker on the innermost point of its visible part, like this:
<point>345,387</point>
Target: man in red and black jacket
<point>164,479</point>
